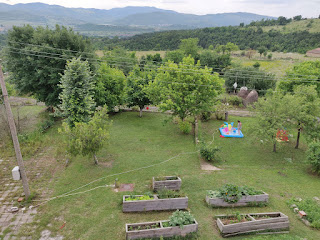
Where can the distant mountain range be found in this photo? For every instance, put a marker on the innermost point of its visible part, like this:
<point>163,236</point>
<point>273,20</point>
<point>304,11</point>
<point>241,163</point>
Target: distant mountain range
<point>125,20</point>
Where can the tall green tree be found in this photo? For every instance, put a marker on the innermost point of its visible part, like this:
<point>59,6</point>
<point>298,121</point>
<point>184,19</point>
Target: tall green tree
<point>87,139</point>
<point>110,87</point>
<point>121,59</point>
<point>231,47</point>
<point>190,47</point>
<point>271,115</point>
<point>305,73</point>
<point>218,62</point>
<point>262,50</point>
<point>304,110</point>
<point>35,59</point>
<point>77,86</point>
<point>137,83</point>
<point>185,89</point>
<point>174,56</point>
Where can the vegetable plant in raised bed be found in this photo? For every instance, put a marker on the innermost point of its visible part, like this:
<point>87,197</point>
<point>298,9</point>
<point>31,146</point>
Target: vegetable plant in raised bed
<point>164,200</point>
<point>179,224</point>
<point>234,196</point>
<point>237,224</point>
<point>312,209</point>
<point>169,182</point>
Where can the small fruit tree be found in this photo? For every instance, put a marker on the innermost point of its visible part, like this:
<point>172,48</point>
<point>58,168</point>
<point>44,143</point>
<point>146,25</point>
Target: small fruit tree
<point>87,139</point>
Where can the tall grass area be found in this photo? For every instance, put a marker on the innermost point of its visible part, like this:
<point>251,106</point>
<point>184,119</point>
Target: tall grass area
<point>138,142</point>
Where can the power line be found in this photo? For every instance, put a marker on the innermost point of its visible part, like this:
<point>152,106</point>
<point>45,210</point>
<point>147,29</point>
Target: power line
<point>90,53</point>
<point>166,68</point>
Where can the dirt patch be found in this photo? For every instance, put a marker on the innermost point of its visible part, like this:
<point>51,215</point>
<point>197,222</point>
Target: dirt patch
<point>106,164</point>
<point>208,167</point>
<point>126,187</point>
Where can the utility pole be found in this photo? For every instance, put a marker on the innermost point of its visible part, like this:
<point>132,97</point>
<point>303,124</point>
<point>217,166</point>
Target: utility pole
<point>13,131</point>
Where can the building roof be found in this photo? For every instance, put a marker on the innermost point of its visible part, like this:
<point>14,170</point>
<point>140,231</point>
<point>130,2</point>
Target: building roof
<point>314,51</point>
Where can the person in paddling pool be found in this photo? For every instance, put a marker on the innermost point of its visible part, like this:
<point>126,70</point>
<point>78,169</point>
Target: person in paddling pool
<point>239,126</point>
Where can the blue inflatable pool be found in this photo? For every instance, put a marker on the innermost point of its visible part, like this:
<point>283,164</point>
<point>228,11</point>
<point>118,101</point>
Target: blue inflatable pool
<point>224,130</point>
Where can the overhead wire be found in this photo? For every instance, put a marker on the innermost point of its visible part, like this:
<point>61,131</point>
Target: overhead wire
<point>119,57</point>
<point>236,75</point>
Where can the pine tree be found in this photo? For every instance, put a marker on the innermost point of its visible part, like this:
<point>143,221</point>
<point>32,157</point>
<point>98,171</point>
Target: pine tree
<point>77,102</point>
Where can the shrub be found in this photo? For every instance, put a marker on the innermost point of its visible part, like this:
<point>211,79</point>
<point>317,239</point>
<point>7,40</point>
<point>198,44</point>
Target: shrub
<point>208,152</point>
<point>48,123</point>
<point>205,116</point>
<point>185,127</point>
<point>256,65</point>
<point>313,156</point>
<point>235,100</point>
<point>270,56</point>
<point>181,218</point>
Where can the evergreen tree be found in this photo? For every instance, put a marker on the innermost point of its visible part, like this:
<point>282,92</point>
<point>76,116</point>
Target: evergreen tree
<point>77,86</point>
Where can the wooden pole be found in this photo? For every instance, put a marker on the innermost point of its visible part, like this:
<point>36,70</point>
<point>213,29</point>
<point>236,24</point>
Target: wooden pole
<point>15,140</point>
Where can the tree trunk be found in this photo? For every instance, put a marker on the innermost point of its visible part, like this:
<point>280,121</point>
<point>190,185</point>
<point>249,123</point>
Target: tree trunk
<point>226,114</point>
<point>196,129</point>
<point>298,137</point>
<point>274,147</point>
<point>140,114</point>
<point>95,159</point>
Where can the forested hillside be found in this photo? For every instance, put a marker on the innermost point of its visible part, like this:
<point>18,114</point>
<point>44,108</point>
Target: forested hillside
<point>244,37</point>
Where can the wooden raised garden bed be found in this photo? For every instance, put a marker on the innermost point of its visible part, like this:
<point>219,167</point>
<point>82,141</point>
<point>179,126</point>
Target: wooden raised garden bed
<point>243,201</point>
<point>170,182</point>
<point>154,204</point>
<point>232,225</point>
<point>156,229</point>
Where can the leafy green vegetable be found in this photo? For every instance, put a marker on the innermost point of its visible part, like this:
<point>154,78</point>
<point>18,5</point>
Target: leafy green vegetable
<point>232,193</point>
<point>181,218</point>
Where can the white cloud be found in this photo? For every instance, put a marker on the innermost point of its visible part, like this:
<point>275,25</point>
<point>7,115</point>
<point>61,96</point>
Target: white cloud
<point>288,8</point>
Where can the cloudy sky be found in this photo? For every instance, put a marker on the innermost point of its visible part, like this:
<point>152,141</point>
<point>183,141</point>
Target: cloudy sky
<point>288,8</point>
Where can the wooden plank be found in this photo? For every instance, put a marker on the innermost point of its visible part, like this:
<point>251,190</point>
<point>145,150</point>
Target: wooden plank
<point>265,226</point>
<point>257,232</point>
<point>253,223</point>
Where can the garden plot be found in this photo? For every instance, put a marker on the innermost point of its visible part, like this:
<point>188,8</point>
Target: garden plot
<point>142,203</point>
<point>234,196</point>
<point>232,225</point>
<point>180,224</point>
<point>170,182</point>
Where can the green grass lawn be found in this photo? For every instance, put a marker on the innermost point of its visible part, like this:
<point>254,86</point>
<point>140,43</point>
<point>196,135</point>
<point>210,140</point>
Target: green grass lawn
<point>136,143</point>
